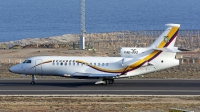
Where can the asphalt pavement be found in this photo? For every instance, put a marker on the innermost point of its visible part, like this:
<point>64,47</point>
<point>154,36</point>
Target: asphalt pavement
<point>88,87</point>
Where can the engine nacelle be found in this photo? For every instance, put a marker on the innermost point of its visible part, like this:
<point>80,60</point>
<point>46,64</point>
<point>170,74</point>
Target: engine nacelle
<point>130,62</point>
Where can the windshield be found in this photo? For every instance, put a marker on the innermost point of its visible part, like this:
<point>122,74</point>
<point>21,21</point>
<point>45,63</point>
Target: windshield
<point>27,61</point>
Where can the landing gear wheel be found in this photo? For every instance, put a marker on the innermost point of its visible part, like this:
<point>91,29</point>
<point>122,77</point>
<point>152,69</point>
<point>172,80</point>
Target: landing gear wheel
<point>33,82</point>
<point>111,81</point>
<point>106,82</point>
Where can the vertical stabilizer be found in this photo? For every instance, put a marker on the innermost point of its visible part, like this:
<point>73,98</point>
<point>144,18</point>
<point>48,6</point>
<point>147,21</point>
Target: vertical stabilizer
<point>167,38</point>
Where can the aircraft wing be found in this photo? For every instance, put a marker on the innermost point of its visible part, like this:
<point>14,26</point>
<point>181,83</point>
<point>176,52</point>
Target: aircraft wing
<point>89,75</point>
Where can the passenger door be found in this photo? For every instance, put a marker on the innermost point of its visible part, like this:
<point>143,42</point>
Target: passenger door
<point>38,67</point>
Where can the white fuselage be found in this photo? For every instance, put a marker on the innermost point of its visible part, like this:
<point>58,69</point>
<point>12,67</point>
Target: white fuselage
<point>63,65</point>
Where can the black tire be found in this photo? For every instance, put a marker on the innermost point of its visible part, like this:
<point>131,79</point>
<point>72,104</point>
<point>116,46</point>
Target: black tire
<point>33,82</point>
<point>111,81</point>
<point>106,82</point>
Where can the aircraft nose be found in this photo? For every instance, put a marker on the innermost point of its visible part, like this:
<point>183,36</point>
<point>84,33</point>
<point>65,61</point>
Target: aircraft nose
<point>14,69</point>
<point>11,69</point>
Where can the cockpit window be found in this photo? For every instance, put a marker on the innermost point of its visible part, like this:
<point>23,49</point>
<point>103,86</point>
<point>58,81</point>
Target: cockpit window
<point>27,61</point>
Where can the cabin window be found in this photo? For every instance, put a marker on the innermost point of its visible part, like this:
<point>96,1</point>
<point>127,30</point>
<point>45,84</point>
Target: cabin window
<point>65,63</point>
<point>53,60</point>
<point>161,61</point>
<point>102,64</point>
<point>90,64</point>
<point>61,63</point>
<point>99,64</point>
<point>77,64</point>
<point>69,63</point>
<point>106,64</point>
<point>74,64</point>
<point>63,60</point>
<point>94,64</point>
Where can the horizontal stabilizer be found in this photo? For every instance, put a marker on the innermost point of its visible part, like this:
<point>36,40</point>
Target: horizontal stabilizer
<point>173,25</point>
<point>172,49</point>
<point>184,49</point>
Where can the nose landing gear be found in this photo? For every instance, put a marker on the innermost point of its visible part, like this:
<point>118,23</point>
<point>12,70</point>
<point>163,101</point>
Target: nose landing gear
<point>33,80</point>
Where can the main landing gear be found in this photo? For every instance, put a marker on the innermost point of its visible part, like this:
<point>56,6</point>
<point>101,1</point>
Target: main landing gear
<point>105,81</point>
<point>33,80</point>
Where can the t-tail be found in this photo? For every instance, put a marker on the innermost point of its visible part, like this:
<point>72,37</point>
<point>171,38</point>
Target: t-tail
<point>167,38</point>
<point>161,54</point>
<point>165,42</point>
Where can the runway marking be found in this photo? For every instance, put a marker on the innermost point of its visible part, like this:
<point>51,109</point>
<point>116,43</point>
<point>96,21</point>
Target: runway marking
<point>99,95</point>
<point>100,91</point>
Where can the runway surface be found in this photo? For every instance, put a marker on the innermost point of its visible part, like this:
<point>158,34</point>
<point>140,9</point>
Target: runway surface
<point>87,87</point>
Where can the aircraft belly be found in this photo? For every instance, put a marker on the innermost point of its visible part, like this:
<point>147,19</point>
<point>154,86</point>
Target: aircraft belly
<point>52,70</point>
<point>133,73</point>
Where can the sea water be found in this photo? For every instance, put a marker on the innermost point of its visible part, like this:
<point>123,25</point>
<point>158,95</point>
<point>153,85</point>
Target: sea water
<point>21,19</point>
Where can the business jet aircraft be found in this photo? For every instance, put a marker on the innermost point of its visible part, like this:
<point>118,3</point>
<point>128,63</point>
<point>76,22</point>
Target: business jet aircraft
<point>158,56</point>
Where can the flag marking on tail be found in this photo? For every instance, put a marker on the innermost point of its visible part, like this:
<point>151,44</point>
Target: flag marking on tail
<point>170,36</point>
